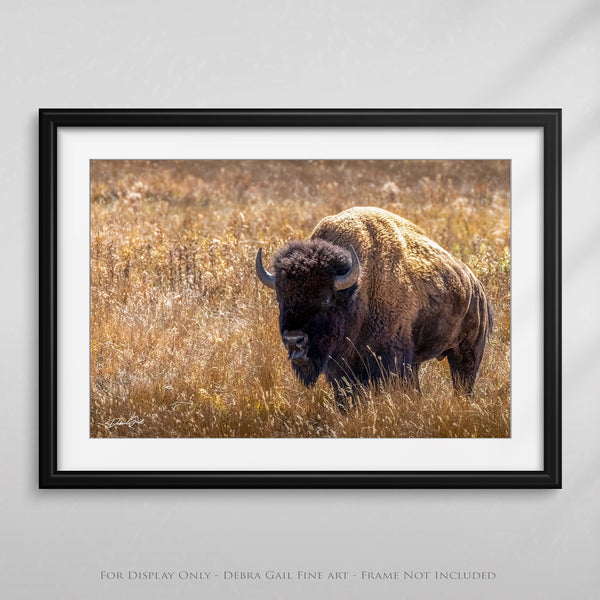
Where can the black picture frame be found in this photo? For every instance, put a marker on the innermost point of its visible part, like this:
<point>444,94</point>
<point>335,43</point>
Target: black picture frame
<point>51,120</point>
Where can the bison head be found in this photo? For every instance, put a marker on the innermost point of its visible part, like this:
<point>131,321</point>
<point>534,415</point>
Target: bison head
<point>314,281</point>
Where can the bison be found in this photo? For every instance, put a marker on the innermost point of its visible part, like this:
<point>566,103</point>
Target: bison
<point>370,295</point>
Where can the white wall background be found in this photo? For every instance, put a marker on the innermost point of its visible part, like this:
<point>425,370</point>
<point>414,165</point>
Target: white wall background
<point>299,54</point>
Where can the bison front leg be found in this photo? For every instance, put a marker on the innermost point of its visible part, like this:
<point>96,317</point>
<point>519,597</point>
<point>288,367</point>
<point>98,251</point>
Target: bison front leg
<point>343,393</point>
<point>407,371</point>
<point>414,378</point>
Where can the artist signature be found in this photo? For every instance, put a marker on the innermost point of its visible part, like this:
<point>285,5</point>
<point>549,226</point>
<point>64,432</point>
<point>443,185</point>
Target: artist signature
<point>135,420</point>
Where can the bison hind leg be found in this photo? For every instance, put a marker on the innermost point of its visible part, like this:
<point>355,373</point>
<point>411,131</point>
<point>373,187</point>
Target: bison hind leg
<point>466,357</point>
<point>464,365</point>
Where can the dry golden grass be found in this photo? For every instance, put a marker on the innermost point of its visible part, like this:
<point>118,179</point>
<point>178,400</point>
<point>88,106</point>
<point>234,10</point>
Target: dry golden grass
<point>185,340</point>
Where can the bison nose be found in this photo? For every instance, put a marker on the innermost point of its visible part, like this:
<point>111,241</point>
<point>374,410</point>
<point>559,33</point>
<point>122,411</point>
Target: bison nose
<point>296,342</point>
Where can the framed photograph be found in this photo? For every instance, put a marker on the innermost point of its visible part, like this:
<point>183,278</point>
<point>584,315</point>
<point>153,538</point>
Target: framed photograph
<point>300,298</point>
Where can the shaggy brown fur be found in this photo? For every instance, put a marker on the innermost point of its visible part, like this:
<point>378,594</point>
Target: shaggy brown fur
<point>413,302</point>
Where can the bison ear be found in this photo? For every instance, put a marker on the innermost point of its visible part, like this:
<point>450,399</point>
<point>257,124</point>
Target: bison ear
<point>263,274</point>
<point>343,282</point>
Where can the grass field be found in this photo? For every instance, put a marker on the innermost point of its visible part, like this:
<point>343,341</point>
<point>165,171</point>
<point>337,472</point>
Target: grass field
<point>184,338</point>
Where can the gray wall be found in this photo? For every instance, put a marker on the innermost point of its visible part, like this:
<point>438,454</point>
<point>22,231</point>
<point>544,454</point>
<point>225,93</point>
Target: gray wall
<point>305,54</point>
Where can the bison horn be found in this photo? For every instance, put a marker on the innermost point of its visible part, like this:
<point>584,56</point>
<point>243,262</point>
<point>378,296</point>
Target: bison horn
<point>263,274</point>
<point>343,282</point>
